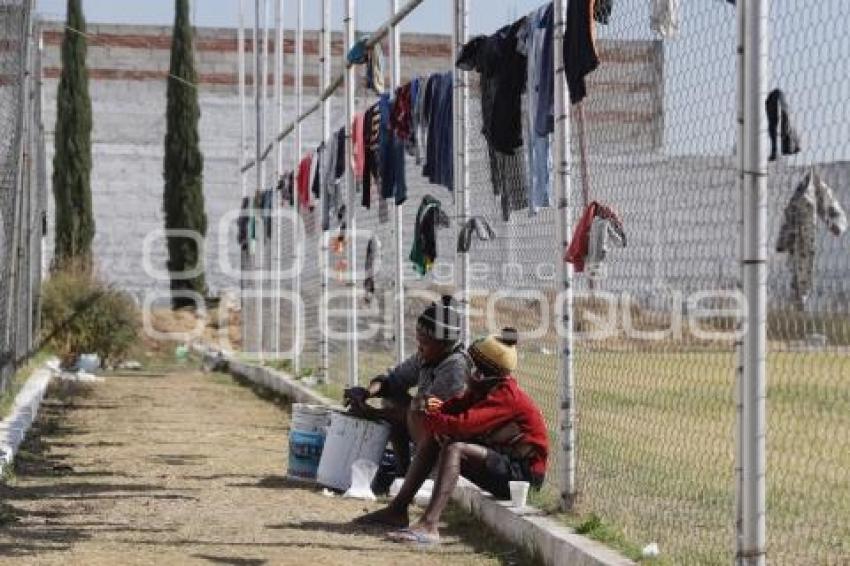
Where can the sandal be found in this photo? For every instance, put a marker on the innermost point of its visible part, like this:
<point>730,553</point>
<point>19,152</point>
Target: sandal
<point>409,536</point>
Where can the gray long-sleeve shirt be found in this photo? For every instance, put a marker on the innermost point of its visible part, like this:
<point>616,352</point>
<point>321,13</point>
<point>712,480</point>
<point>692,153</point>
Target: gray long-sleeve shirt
<point>443,380</point>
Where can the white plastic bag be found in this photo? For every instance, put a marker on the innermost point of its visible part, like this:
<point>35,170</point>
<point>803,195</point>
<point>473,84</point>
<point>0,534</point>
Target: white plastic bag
<point>362,472</point>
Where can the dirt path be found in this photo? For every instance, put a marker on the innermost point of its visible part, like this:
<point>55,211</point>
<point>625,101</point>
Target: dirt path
<point>187,468</point>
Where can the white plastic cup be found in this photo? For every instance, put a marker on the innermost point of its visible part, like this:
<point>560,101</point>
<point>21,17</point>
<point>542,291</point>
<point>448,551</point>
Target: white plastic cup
<point>519,493</point>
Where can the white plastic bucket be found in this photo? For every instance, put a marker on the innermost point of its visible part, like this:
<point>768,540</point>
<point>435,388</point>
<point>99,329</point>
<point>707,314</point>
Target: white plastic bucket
<point>310,418</point>
<point>306,440</point>
<point>349,439</point>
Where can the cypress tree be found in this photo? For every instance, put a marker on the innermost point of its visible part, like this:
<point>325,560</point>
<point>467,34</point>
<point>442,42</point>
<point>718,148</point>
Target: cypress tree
<point>183,198</point>
<point>72,155</point>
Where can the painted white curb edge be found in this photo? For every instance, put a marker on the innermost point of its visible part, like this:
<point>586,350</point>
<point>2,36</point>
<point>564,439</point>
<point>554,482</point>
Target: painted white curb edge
<point>554,543</point>
<point>13,428</point>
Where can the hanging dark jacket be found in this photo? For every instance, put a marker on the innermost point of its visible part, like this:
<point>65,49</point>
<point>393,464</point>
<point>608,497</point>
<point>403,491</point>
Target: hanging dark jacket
<point>503,79</point>
<point>779,125</point>
<point>429,217</point>
<point>579,49</point>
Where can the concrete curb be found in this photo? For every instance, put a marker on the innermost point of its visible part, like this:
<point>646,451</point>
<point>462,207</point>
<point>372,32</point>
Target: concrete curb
<point>14,428</point>
<point>554,543</point>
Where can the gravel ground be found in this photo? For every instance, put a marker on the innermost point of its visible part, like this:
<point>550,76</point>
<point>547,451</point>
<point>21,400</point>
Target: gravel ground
<point>179,467</point>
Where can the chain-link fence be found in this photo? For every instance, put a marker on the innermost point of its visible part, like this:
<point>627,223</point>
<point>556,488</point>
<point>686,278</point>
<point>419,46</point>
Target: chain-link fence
<point>22,186</point>
<point>656,356</point>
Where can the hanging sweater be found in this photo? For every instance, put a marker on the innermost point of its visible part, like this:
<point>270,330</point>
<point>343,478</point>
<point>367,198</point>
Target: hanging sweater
<point>471,415</point>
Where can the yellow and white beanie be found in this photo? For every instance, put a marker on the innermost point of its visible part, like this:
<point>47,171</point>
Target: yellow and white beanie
<point>495,356</point>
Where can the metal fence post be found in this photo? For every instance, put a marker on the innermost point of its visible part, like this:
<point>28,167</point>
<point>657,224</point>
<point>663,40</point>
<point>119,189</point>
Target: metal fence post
<point>350,85</point>
<point>243,150</point>
<point>325,69</point>
<point>278,248</point>
<point>296,242</point>
<point>562,160</point>
<point>754,268</point>
<point>398,211</point>
<point>461,157</point>
<point>258,141</point>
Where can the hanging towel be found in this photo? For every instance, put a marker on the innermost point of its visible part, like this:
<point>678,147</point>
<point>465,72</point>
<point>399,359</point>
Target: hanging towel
<point>812,199</point>
<point>580,241</point>
<point>664,19</point>
<point>429,218</point>
<point>478,226</point>
<point>779,125</point>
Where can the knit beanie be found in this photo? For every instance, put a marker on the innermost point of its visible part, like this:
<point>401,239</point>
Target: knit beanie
<point>441,321</point>
<point>495,356</point>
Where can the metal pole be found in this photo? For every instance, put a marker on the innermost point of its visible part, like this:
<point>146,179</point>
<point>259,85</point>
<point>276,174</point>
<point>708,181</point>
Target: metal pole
<point>258,137</point>
<point>325,69</point>
<point>350,84</point>
<point>739,340</point>
<point>261,242</point>
<point>562,159</point>
<point>398,211</point>
<point>297,243</point>
<point>278,92</point>
<point>461,147</point>
<point>754,266</point>
<point>243,151</point>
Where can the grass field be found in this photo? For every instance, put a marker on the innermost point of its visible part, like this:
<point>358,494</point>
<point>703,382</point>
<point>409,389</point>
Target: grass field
<point>656,441</point>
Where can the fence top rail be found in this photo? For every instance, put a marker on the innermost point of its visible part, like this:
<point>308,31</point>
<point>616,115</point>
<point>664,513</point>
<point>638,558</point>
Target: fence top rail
<point>373,40</point>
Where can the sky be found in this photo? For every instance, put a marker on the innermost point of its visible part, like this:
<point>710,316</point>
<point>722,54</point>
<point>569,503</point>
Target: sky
<point>432,16</point>
<point>809,56</point>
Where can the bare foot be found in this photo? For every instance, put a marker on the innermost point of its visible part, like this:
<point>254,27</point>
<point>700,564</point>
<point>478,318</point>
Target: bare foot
<point>387,517</point>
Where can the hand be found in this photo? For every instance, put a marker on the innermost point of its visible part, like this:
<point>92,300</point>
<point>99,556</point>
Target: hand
<point>355,396</point>
<point>376,385</point>
<point>433,405</point>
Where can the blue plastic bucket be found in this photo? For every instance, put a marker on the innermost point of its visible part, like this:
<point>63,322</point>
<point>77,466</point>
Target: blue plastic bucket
<point>305,451</point>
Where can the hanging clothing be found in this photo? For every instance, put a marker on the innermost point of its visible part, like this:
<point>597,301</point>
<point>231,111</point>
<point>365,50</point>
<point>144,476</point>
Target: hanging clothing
<point>267,204</point>
<point>509,181</point>
<point>580,241</point>
<point>400,115</point>
<point>375,69</point>
<point>286,187</point>
<point>319,163</point>
<point>439,156</point>
<point>244,227</point>
<point>503,70</point>
<point>779,125</point>
<point>383,211</point>
<point>602,235</point>
<point>339,172</point>
<point>478,226</point>
<point>358,157</point>
<point>419,125</point>
<point>429,218</point>
<point>372,266</point>
<point>314,178</point>
<point>602,11</point>
<point>664,18</point>
<point>372,163</point>
<point>812,199</point>
<point>607,213</point>
<point>532,43</point>
<point>580,55</point>
<point>303,181</point>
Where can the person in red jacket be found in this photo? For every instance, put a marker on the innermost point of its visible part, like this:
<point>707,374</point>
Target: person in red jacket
<point>492,434</point>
